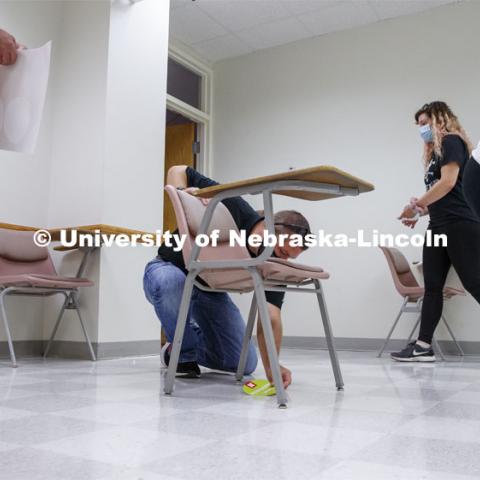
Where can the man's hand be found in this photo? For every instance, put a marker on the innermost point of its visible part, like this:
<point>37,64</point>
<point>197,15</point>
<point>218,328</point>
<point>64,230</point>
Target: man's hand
<point>8,48</point>
<point>286,376</point>
<point>192,190</point>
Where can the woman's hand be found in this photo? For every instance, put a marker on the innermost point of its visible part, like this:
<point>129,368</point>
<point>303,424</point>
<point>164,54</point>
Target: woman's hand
<point>421,210</point>
<point>409,216</point>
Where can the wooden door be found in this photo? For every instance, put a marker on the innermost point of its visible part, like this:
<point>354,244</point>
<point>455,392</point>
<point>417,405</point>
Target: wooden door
<point>179,143</point>
<point>179,140</point>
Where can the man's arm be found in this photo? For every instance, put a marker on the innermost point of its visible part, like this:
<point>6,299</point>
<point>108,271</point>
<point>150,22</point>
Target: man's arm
<point>276,319</point>
<point>177,176</point>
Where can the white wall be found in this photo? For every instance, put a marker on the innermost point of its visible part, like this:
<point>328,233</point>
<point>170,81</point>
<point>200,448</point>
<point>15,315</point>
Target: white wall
<point>99,157</point>
<point>25,180</point>
<point>348,99</point>
<point>134,162</point>
<point>78,146</point>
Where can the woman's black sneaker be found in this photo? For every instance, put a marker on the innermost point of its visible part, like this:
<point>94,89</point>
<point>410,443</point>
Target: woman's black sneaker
<point>184,369</point>
<point>414,353</point>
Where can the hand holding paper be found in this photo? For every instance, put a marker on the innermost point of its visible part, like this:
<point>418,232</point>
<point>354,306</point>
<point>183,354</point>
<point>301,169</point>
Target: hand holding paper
<point>23,87</point>
<point>8,48</point>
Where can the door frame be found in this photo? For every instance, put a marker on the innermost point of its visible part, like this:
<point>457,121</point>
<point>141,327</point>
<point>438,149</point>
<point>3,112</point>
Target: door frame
<point>202,116</point>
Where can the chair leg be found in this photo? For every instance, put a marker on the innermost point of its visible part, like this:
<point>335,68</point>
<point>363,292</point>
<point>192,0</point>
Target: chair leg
<point>414,328</point>
<point>269,338</point>
<point>246,339</point>
<point>437,348</point>
<point>179,331</point>
<point>380,353</point>
<point>87,339</point>
<point>459,348</point>
<point>57,324</point>
<point>329,335</point>
<point>3,313</point>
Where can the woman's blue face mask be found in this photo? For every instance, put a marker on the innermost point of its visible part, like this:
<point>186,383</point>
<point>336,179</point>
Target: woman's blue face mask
<point>426,133</point>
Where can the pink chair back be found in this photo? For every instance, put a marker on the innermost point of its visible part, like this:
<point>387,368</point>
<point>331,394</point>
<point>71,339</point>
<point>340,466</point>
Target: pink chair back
<point>20,255</point>
<point>402,275</point>
<point>189,212</point>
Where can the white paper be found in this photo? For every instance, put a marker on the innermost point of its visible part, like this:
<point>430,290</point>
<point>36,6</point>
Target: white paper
<point>23,87</point>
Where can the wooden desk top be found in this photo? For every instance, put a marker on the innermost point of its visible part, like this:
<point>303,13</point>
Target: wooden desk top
<point>55,232</point>
<point>322,174</point>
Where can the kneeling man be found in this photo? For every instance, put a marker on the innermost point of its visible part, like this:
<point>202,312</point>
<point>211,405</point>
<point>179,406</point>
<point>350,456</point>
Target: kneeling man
<point>215,328</point>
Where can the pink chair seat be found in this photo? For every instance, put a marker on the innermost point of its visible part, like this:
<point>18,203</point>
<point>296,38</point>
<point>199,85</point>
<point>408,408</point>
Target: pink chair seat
<point>274,271</point>
<point>414,293</point>
<point>404,280</point>
<point>25,266</point>
<point>45,281</point>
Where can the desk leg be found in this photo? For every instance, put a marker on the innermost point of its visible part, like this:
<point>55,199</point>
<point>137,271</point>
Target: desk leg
<point>3,313</point>
<point>57,323</point>
<point>246,339</point>
<point>71,303</point>
<point>179,331</point>
<point>87,339</point>
<point>83,264</point>
<point>329,336</point>
<point>282,398</point>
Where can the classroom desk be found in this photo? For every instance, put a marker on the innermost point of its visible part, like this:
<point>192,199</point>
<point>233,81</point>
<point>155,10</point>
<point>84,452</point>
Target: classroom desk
<point>55,235</point>
<point>312,184</point>
<point>315,183</point>
<point>81,229</point>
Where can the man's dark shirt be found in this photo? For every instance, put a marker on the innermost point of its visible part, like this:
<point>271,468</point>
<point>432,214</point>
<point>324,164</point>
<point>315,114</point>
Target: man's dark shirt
<point>243,214</point>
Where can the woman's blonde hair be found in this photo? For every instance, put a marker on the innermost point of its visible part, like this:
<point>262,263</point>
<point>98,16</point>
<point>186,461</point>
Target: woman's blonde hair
<point>444,122</point>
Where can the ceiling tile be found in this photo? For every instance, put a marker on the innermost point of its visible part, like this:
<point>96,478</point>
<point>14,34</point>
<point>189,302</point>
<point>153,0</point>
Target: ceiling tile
<point>219,48</point>
<point>396,8</point>
<point>219,29</point>
<point>237,15</point>
<point>190,25</point>
<point>275,33</point>
<point>298,7</point>
<point>348,14</point>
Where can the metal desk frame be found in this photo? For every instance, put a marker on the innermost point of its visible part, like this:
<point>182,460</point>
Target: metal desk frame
<point>195,266</point>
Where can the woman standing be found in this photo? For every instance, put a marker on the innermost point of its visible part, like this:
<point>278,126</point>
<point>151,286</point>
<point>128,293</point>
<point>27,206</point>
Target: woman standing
<point>446,152</point>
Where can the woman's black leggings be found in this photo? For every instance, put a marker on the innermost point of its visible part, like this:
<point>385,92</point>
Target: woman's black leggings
<point>463,252</point>
<point>471,185</point>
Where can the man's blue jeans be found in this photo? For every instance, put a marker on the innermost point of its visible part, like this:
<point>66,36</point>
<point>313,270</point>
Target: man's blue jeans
<point>215,328</point>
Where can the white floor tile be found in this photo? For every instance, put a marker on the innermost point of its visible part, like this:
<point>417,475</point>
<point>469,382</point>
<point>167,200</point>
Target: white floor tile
<point>120,413</point>
<point>371,471</point>
<point>124,446</point>
<point>441,429</point>
<point>110,420</point>
<point>446,456</point>
<point>229,461</point>
<point>312,439</point>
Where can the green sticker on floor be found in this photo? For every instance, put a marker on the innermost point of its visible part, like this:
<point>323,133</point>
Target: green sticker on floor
<point>259,388</point>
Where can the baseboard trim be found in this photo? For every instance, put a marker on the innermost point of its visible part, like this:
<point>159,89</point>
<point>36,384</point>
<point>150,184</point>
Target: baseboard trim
<point>23,348</point>
<point>105,350</point>
<point>79,350</point>
<point>372,344</point>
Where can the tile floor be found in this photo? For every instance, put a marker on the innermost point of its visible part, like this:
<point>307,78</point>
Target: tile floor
<point>68,420</point>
